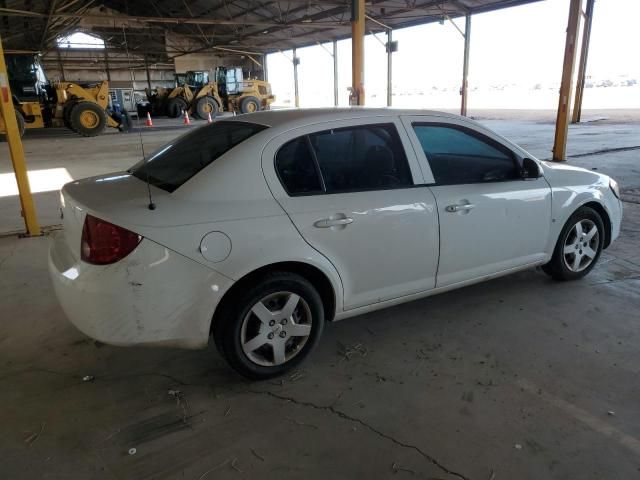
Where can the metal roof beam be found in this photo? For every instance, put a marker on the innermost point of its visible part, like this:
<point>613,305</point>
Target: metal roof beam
<point>167,20</point>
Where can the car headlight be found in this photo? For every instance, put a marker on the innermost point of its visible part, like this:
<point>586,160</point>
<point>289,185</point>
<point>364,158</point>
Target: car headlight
<point>615,188</point>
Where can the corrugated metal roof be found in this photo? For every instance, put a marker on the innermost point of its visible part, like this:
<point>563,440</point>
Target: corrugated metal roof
<point>209,25</point>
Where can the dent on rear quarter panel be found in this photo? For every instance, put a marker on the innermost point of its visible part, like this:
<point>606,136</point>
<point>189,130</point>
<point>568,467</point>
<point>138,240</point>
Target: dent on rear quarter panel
<point>154,296</point>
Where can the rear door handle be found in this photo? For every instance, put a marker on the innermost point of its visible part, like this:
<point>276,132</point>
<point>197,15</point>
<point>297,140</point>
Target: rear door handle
<point>460,208</point>
<point>331,222</point>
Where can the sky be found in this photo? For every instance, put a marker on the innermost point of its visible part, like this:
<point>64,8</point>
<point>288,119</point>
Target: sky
<point>517,48</point>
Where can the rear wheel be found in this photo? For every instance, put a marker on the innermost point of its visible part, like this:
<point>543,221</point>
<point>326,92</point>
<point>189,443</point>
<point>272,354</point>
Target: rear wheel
<point>21,126</point>
<point>579,246</point>
<point>175,107</point>
<point>206,106</point>
<point>249,105</point>
<point>268,329</point>
<point>88,119</point>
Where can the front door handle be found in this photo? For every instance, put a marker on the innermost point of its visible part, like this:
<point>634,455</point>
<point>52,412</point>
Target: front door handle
<point>333,222</point>
<point>460,208</point>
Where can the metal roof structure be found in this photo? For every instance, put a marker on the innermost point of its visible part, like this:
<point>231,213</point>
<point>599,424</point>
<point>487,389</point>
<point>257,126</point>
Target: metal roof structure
<point>256,26</point>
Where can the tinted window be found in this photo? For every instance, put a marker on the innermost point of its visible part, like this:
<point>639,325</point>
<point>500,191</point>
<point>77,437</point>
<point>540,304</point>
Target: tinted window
<point>457,155</point>
<point>177,162</point>
<point>296,168</point>
<point>369,157</point>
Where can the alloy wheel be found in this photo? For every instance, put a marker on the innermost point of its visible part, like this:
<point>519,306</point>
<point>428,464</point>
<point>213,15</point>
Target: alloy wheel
<point>276,329</point>
<point>581,245</point>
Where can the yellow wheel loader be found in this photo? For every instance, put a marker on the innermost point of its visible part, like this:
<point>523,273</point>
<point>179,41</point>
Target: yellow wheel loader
<point>83,108</point>
<point>197,95</point>
<point>240,95</point>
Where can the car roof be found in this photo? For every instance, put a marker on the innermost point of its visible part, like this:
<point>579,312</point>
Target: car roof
<point>307,116</point>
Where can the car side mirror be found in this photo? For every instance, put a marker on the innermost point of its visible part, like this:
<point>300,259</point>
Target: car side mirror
<point>530,169</point>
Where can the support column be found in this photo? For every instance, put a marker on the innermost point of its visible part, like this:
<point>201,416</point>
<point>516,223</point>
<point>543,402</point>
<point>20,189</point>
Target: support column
<point>582,66</point>
<point>146,68</point>
<point>12,134</point>
<point>296,61</point>
<point>464,90</point>
<point>357,53</point>
<point>60,65</point>
<point>389,67</point>
<point>335,74</point>
<point>265,72</point>
<point>106,65</point>
<point>562,120</point>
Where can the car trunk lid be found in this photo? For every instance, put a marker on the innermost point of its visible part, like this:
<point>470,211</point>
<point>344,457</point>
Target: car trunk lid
<point>118,198</point>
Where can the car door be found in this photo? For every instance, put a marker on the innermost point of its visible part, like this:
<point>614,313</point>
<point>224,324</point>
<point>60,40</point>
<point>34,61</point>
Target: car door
<point>491,219</point>
<point>353,190</point>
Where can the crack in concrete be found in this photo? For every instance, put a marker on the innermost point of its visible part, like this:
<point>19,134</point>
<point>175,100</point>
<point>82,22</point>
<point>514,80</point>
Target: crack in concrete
<point>344,416</point>
<point>77,376</point>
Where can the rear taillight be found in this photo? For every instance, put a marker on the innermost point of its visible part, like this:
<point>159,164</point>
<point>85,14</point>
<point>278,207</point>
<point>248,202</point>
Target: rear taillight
<point>104,243</point>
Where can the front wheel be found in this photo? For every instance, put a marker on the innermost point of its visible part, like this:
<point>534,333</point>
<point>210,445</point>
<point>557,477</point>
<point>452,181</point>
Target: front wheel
<point>88,119</point>
<point>268,329</point>
<point>176,107</point>
<point>578,247</point>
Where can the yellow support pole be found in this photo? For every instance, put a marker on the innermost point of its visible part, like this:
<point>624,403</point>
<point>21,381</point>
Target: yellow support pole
<point>562,119</point>
<point>582,66</point>
<point>15,148</point>
<point>357,52</point>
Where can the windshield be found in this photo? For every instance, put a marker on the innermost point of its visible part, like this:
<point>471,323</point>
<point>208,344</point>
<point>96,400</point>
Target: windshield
<point>178,161</point>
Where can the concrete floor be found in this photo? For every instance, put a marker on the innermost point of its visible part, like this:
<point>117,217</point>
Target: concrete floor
<point>517,378</point>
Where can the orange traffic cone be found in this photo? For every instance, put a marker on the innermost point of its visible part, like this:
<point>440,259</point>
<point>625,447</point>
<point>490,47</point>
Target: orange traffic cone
<point>186,118</point>
<point>149,122</point>
<point>209,120</point>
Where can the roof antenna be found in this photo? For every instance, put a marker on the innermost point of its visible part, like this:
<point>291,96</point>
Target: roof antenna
<point>151,206</point>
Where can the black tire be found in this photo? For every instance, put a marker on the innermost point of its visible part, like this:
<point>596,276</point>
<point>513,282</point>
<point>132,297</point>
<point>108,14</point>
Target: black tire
<point>175,107</point>
<point>66,114</point>
<point>88,119</point>
<point>228,324</point>
<point>21,126</point>
<point>557,266</point>
<point>206,105</point>
<point>250,105</point>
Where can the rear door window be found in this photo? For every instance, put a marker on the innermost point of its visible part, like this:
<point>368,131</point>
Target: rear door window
<point>366,157</point>
<point>297,169</point>
<point>175,163</point>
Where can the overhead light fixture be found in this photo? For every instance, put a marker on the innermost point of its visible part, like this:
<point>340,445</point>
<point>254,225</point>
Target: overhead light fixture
<point>265,31</point>
<point>233,41</point>
<point>307,20</point>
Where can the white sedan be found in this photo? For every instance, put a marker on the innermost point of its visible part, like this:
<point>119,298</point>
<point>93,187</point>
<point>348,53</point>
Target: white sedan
<point>259,229</point>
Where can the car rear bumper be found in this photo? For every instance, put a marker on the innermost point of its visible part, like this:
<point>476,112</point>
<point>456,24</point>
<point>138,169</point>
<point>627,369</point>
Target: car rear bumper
<point>154,296</point>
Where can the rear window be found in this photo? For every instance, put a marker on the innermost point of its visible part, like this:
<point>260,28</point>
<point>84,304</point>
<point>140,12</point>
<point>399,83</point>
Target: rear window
<point>178,161</point>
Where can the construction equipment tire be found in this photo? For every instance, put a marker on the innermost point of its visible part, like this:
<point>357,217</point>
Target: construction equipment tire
<point>88,119</point>
<point>21,127</point>
<point>249,105</point>
<point>176,106</point>
<point>207,105</point>
<point>66,113</point>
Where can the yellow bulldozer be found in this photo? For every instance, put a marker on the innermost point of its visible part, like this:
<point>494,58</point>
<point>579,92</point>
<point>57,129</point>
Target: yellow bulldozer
<point>83,108</point>
<point>197,95</point>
